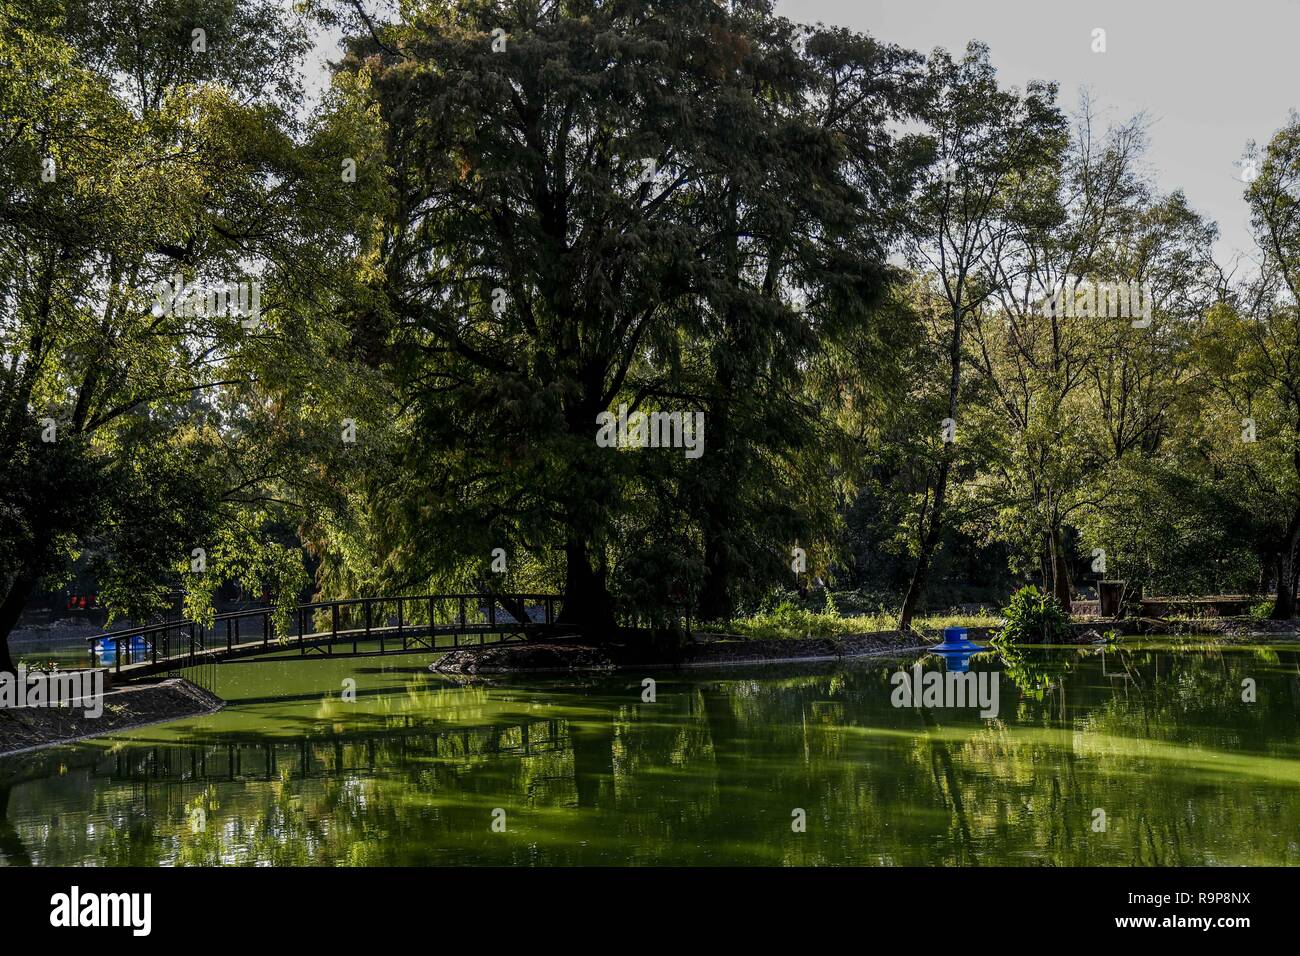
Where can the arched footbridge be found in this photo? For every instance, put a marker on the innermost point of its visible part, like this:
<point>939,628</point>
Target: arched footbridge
<point>371,625</point>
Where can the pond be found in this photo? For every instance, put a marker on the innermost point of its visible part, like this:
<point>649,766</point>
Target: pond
<point>1145,754</point>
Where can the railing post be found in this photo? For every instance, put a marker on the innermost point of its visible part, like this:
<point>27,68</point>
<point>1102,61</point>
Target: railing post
<point>367,605</point>
<point>302,648</point>
<point>117,642</point>
<point>266,628</point>
<point>192,626</point>
<point>400,632</point>
<point>229,644</point>
<point>334,625</point>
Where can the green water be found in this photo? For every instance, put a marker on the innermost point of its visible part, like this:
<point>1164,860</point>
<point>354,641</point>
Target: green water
<point>584,772</point>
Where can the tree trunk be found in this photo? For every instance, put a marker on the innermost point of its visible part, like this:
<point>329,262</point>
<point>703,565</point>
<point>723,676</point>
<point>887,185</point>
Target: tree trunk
<point>716,514</point>
<point>930,536</point>
<point>715,594</point>
<point>588,605</point>
<point>587,602</point>
<point>10,610</point>
<point>719,487</point>
<point>1266,560</point>
<point>1044,564</point>
<point>915,587</point>
<point>1284,603</point>
<point>929,541</point>
<point>1295,583</point>
<point>1061,589</point>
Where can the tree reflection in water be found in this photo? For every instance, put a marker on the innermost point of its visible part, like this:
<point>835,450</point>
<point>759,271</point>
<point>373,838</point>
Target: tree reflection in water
<point>1158,738</point>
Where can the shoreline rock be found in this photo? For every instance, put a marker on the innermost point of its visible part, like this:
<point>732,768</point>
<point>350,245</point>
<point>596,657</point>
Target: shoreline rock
<point>125,708</point>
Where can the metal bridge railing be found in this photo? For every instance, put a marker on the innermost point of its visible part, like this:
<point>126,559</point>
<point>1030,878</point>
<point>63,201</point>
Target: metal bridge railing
<point>356,619</point>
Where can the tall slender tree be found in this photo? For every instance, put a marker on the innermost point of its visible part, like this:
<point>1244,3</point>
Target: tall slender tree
<point>986,140</point>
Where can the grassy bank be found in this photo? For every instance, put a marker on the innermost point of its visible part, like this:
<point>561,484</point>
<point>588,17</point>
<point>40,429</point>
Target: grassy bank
<point>790,621</point>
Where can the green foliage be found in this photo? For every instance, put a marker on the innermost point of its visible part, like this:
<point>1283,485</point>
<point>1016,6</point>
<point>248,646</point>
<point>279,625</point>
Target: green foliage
<point>243,554</point>
<point>1172,527</point>
<point>787,620</point>
<point>1261,611</point>
<point>751,275</point>
<point>1034,618</point>
<point>714,283</point>
<point>130,434</point>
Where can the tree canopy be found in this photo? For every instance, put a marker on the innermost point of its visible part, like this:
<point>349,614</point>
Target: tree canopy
<point>672,304</point>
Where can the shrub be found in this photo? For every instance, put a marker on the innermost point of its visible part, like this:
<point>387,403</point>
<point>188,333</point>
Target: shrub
<point>1262,611</point>
<point>1034,618</point>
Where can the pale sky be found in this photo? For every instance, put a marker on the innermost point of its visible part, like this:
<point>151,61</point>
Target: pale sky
<point>1210,76</point>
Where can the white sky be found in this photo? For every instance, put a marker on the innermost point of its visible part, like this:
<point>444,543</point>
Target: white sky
<point>1209,75</point>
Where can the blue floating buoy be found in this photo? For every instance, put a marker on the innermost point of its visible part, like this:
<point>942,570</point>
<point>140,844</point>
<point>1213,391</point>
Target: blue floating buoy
<point>957,649</point>
<point>955,640</point>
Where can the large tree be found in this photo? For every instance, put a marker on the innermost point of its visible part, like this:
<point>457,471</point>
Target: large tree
<point>595,204</point>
